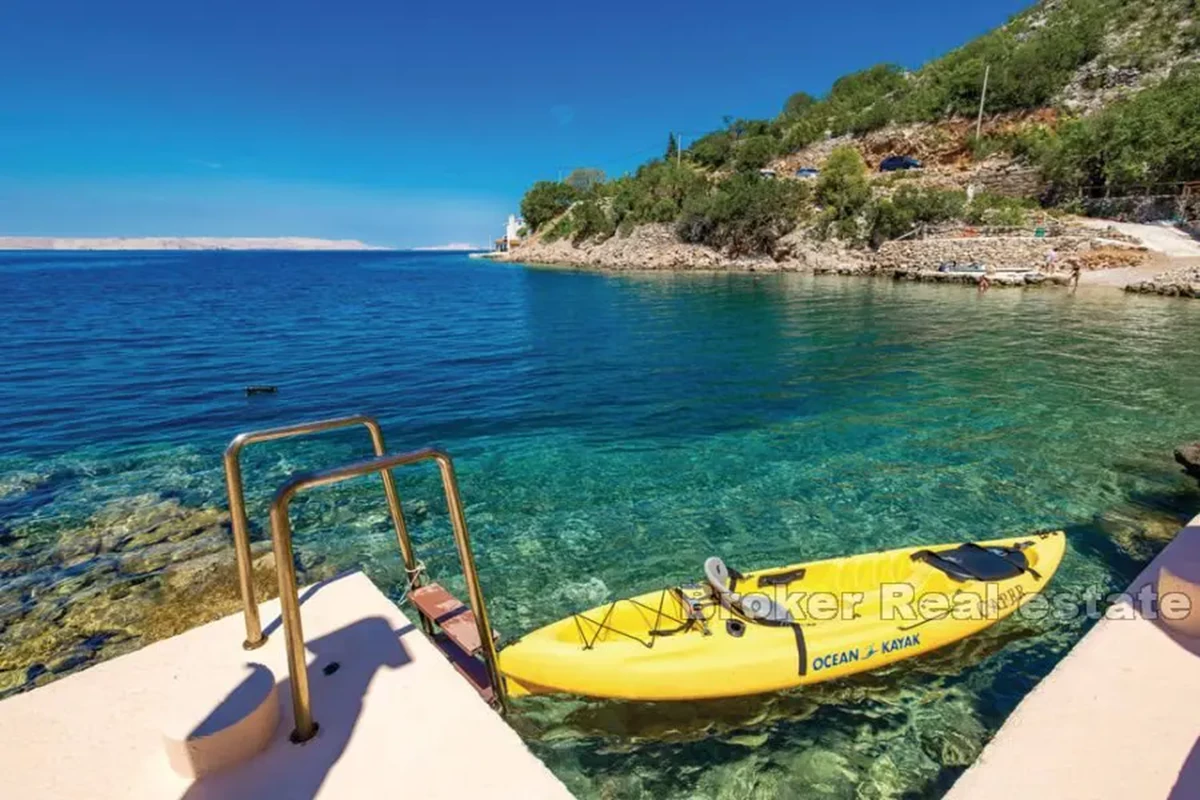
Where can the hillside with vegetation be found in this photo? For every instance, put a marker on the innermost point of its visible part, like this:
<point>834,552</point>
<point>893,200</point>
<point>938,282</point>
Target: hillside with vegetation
<point>1086,101</point>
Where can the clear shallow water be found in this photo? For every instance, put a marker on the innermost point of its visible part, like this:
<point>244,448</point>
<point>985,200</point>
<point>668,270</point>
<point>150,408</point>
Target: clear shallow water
<point>612,432</point>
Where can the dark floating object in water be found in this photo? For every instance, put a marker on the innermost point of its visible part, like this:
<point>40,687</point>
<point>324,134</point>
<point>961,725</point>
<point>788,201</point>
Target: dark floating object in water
<point>253,390</point>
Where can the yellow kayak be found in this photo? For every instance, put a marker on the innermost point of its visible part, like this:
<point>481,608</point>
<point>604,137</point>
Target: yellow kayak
<point>779,628</point>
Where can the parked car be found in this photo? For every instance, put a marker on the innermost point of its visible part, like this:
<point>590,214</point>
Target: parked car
<point>807,172</point>
<point>897,163</point>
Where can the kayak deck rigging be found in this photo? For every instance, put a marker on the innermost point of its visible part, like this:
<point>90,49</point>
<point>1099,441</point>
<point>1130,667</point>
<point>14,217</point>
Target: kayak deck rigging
<point>692,617</point>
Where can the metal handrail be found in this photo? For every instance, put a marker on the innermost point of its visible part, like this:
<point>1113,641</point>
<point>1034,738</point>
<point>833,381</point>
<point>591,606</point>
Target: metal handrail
<point>241,527</point>
<point>281,536</point>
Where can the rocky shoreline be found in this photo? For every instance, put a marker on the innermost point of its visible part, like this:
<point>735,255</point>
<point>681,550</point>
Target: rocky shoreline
<point>1012,261</point>
<point>1182,282</point>
<point>656,248</point>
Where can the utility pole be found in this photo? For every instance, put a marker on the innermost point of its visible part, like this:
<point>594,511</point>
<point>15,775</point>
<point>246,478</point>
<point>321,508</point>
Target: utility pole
<point>987,72</point>
<point>679,149</point>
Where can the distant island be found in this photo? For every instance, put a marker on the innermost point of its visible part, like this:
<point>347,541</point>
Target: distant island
<point>452,247</point>
<point>179,243</point>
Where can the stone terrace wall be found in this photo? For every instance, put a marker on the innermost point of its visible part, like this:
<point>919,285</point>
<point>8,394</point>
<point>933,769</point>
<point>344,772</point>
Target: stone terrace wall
<point>995,252</point>
<point>1011,181</point>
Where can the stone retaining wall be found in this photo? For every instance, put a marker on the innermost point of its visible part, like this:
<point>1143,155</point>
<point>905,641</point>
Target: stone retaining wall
<point>994,252</point>
<point>999,279</point>
<point>1011,181</point>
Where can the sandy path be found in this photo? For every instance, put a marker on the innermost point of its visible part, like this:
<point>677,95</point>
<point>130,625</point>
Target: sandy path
<point>1122,276</point>
<point>1164,238</point>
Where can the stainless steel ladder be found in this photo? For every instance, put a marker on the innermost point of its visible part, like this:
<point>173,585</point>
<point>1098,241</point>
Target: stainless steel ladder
<point>466,632</point>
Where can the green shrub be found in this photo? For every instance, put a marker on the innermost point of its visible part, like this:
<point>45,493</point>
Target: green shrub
<point>1150,138</point>
<point>843,185</point>
<point>544,201</point>
<point>798,103</point>
<point>887,221</point>
<point>755,153</point>
<point>1029,65</point>
<point>1190,35</point>
<point>849,229</point>
<point>1032,143</point>
<point>932,205</point>
<point>591,220</point>
<point>802,133</point>
<point>712,150</point>
<point>745,128</point>
<point>561,228</point>
<point>909,207</point>
<point>993,209</point>
<point>655,193</point>
<point>876,116</point>
<point>982,147</point>
<point>745,214</point>
<point>861,89</point>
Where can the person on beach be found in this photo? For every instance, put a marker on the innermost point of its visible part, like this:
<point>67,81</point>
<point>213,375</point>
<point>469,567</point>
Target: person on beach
<point>984,284</point>
<point>1076,273</point>
<point>1051,260</point>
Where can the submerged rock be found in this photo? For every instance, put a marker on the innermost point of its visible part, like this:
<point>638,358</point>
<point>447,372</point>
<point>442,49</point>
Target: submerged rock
<point>1188,455</point>
<point>139,522</point>
<point>138,570</point>
<point>1139,531</point>
<point>949,730</point>
<point>17,483</point>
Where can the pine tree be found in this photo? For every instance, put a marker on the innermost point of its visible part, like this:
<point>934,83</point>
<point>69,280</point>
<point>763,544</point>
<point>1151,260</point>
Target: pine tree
<point>672,146</point>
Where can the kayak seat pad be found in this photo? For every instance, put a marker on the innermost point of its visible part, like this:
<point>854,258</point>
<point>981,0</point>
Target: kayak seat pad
<point>970,562</point>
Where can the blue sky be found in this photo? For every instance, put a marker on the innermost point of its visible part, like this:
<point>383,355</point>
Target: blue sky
<point>399,123</point>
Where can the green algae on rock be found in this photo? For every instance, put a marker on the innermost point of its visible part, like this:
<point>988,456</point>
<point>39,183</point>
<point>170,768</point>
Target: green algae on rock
<point>138,570</point>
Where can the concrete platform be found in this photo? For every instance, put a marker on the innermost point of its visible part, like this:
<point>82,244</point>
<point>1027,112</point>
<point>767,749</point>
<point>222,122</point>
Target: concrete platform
<point>1118,718</point>
<point>395,718</point>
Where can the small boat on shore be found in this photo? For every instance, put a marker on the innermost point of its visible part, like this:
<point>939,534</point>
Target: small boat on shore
<point>780,628</point>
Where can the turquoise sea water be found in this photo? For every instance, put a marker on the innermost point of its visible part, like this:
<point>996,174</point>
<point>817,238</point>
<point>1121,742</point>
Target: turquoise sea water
<point>612,432</point>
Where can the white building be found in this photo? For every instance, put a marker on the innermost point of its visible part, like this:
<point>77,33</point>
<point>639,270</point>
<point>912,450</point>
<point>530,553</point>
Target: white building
<point>512,233</point>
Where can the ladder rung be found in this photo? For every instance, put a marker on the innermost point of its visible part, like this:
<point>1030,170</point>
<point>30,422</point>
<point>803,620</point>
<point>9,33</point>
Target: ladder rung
<point>470,668</point>
<point>451,615</point>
